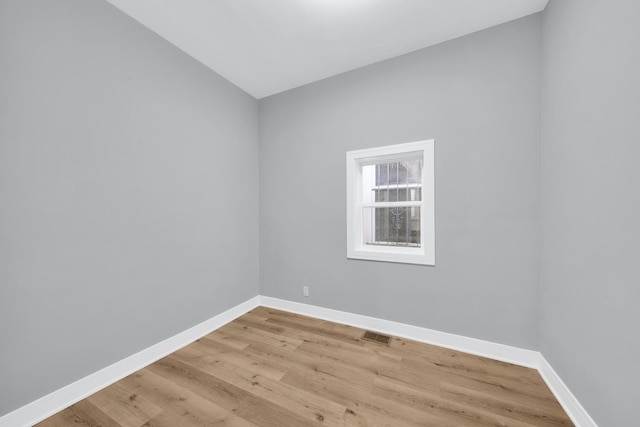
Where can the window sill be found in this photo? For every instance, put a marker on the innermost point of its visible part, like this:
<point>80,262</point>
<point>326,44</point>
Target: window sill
<point>402,255</point>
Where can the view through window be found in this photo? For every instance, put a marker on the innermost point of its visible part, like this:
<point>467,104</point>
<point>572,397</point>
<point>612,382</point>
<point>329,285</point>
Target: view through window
<point>392,193</point>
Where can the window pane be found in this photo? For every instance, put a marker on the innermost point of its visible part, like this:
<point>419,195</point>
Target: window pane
<point>392,181</point>
<point>396,226</point>
<point>399,173</point>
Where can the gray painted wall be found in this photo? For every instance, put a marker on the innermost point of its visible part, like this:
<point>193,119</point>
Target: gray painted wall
<point>114,232</point>
<point>479,98</point>
<point>591,203</point>
<point>128,180</point>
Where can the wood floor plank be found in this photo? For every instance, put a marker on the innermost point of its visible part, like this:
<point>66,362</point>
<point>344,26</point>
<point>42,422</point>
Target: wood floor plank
<point>529,412</point>
<point>250,334</point>
<point>274,368</point>
<point>308,405</point>
<point>82,414</point>
<point>404,395</point>
<point>543,402</point>
<point>472,372</point>
<point>463,363</point>
<point>539,396</point>
<point>363,408</point>
<point>246,405</point>
<point>205,349</point>
<point>220,337</point>
<point>318,327</point>
<point>181,406</point>
<point>126,408</point>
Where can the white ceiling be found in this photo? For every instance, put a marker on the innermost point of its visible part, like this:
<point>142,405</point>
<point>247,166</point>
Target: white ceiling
<point>269,46</point>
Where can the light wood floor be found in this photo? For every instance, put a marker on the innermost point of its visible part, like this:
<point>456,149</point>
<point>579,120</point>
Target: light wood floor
<point>273,368</point>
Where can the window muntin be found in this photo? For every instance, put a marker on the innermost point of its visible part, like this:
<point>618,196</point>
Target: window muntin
<point>390,212</point>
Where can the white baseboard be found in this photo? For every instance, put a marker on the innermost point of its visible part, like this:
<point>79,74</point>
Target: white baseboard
<point>505,353</point>
<point>569,403</point>
<point>52,403</point>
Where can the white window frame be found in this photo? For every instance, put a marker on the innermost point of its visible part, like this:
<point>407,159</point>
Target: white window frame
<point>356,249</point>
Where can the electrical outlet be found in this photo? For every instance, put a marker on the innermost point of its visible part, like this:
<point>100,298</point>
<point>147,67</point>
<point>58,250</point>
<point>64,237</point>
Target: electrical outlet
<point>305,291</point>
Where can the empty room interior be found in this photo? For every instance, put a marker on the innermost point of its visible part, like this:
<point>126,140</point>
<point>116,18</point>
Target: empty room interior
<point>319,212</point>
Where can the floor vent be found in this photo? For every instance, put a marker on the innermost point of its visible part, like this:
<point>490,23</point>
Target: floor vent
<point>375,337</point>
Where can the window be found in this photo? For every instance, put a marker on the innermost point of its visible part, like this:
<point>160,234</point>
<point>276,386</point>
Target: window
<point>390,203</point>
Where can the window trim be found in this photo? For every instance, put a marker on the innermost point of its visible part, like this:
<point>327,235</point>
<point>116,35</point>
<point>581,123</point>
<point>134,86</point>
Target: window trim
<point>356,249</point>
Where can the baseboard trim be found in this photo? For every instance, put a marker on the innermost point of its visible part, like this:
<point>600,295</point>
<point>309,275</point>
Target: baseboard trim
<point>505,353</point>
<point>570,404</point>
<point>52,403</point>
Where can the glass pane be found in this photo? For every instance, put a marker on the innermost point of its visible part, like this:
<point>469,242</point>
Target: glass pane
<point>392,181</point>
<point>400,173</point>
<point>396,226</point>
